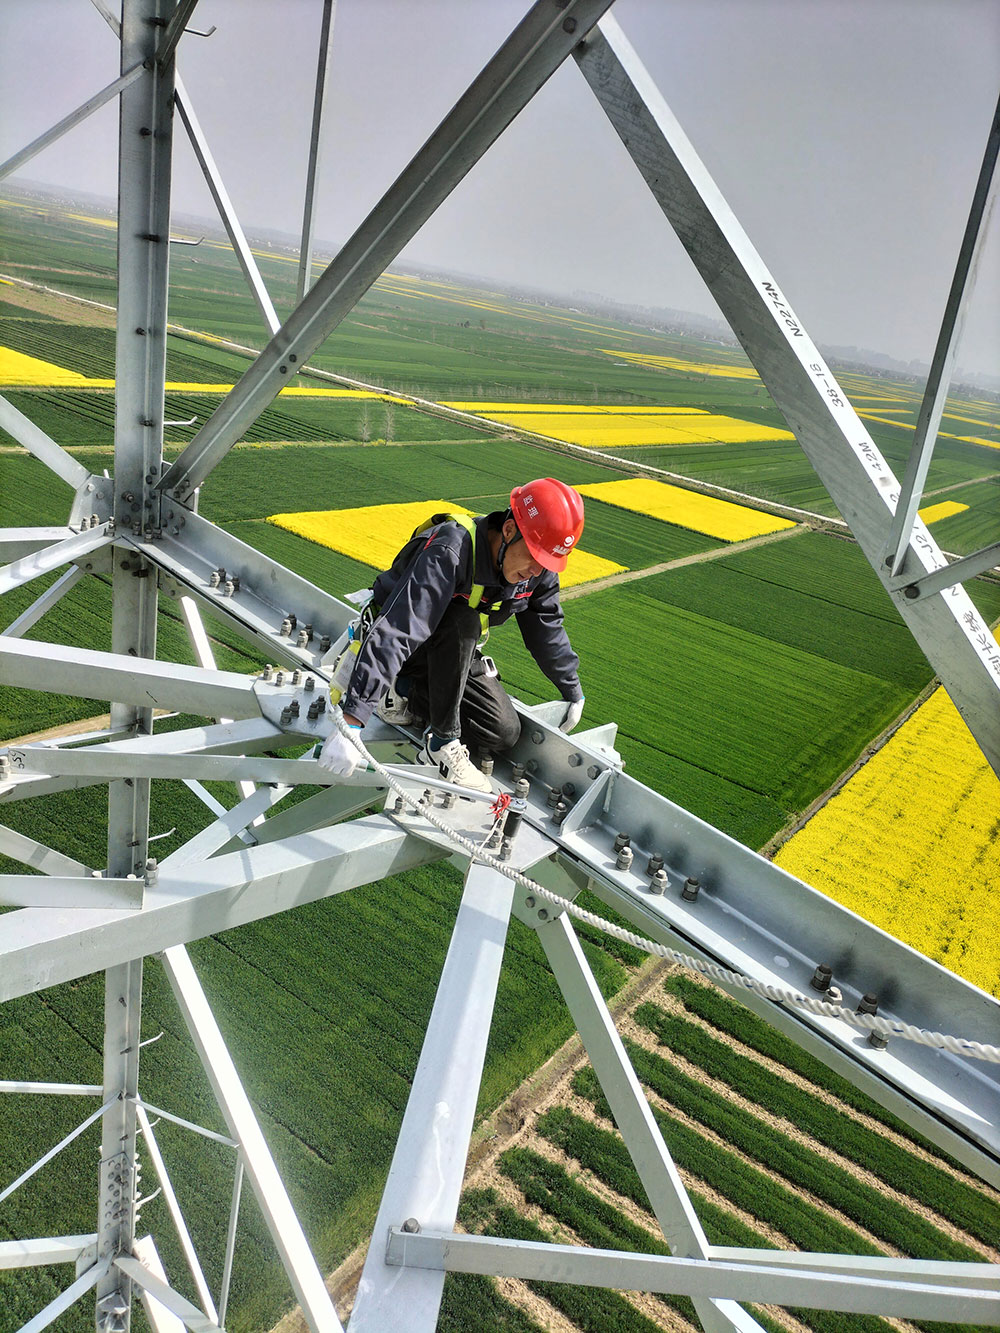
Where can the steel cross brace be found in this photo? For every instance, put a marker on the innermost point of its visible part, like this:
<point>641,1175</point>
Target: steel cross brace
<point>536,48</point>
<point>947,627</point>
<point>891,1292</point>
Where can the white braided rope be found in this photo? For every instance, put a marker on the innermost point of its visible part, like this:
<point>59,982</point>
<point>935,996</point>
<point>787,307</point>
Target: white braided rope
<point>867,1022</point>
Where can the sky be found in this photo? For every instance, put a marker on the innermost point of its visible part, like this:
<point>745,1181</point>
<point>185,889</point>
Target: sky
<point>846,135</point>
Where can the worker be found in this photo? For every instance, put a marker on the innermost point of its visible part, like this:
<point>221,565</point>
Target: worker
<point>422,661</point>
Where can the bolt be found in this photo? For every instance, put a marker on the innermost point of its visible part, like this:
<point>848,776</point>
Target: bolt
<point>658,882</point>
<point>552,798</point>
<point>449,799</point>
<point>878,1040</point>
<point>569,789</point>
<point>398,804</point>
<point>912,592</point>
<point>569,25</point>
<point>321,701</point>
<point>293,620</point>
<point>868,1004</point>
<point>279,678</point>
<point>310,684</point>
<point>822,977</point>
<point>309,632</point>
<point>296,677</point>
<point>575,760</point>
<point>521,788</point>
<point>411,1226</point>
<point>293,708</point>
<point>268,672</point>
<point>689,889</point>
<point>517,770</point>
<point>593,771</point>
<point>302,641</point>
<point>141,333</point>
<point>4,767</point>
<point>286,715</point>
<point>654,864</point>
<point>152,871</point>
<point>236,582</point>
<point>624,861</point>
<point>213,579</point>
<point>537,737</point>
<point>229,589</point>
<point>286,628</point>
<point>324,643</point>
<point>622,840</point>
<point>530,900</point>
<point>313,711</point>
<point>486,766</point>
<point>543,914</point>
<point>505,849</point>
<point>561,811</point>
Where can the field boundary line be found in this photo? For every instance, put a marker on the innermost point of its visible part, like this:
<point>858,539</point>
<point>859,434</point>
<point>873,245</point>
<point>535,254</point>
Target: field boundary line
<point>630,575</point>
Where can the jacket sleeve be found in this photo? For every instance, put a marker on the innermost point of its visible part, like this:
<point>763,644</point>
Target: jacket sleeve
<point>546,639</point>
<point>411,614</point>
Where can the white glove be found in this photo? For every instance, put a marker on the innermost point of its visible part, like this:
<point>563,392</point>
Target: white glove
<point>338,754</point>
<point>574,711</point>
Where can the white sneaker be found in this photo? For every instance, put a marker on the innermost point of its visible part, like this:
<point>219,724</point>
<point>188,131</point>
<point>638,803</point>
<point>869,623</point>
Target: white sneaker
<point>454,765</point>
<point>395,708</point>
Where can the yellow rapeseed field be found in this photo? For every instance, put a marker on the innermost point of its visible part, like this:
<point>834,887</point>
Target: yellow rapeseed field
<point>17,368</point>
<point>685,367</point>
<point>944,509</point>
<point>687,509</point>
<point>910,843</point>
<point>624,428</point>
<point>374,533</point>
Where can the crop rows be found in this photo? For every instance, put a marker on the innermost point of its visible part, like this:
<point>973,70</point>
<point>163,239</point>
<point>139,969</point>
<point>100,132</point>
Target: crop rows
<point>570,1166</point>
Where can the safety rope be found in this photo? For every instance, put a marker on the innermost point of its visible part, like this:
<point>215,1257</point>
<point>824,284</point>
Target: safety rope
<point>868,1022</point>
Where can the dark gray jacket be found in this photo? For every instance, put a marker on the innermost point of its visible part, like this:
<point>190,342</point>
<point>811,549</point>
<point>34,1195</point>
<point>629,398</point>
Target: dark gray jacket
<point>415,592</point>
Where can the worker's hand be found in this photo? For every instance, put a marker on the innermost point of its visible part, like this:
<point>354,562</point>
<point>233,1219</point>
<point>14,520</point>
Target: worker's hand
<point>338,754</point>
<point>574,711</point>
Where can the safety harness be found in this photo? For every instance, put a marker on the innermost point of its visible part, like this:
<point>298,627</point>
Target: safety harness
<point>467,521</point>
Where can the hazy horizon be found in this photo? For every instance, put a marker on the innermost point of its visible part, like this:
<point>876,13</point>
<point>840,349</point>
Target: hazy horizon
<point>846,136</point>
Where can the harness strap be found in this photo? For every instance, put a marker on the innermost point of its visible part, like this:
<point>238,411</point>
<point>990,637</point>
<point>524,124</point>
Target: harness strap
<point>476,591</point>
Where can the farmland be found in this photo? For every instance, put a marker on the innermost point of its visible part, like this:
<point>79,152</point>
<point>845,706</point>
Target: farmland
<point>745,679</point>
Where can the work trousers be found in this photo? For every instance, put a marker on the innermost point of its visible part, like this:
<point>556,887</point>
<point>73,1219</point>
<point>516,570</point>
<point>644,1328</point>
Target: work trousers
<point>446,682</point>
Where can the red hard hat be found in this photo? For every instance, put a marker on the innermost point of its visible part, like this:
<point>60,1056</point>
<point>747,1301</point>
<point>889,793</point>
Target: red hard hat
<point>549,516</point>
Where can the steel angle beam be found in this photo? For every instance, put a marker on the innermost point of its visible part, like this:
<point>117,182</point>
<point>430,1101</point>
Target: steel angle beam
<point>161,1320</point>
<point>105,765</point>
<point>142,682</point>
<point>947,627</point>
<point>16,543</point>
<point>69,891</point>
<point>753,918</point>
<point>535,49</point>
<point>938,1273</point>
<point>146,1280</point>
<point>943,361</point>
<point>315,149</point>
<point>306,1279</point>
<point>533,1261</point>
<point>34,439</point>
<point>41,1253</point>
<point>40,948</point>
<point>661,1180</point>
<point>225,208</point>
<point>192,550</point>
<point>48,599</point>
<point>66,1299</point>
<point>248,737</point>
<point>69,122</point>
<point>52,557</point>
<point>955,572</point>
<point>425,1178</point>
<point>32,853</point>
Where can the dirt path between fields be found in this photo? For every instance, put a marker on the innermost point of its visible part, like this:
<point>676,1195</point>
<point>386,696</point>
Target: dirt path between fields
<point>733,548</point>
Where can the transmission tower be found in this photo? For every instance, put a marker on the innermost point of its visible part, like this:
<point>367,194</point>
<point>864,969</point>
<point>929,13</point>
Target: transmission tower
<point>753,927</point>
